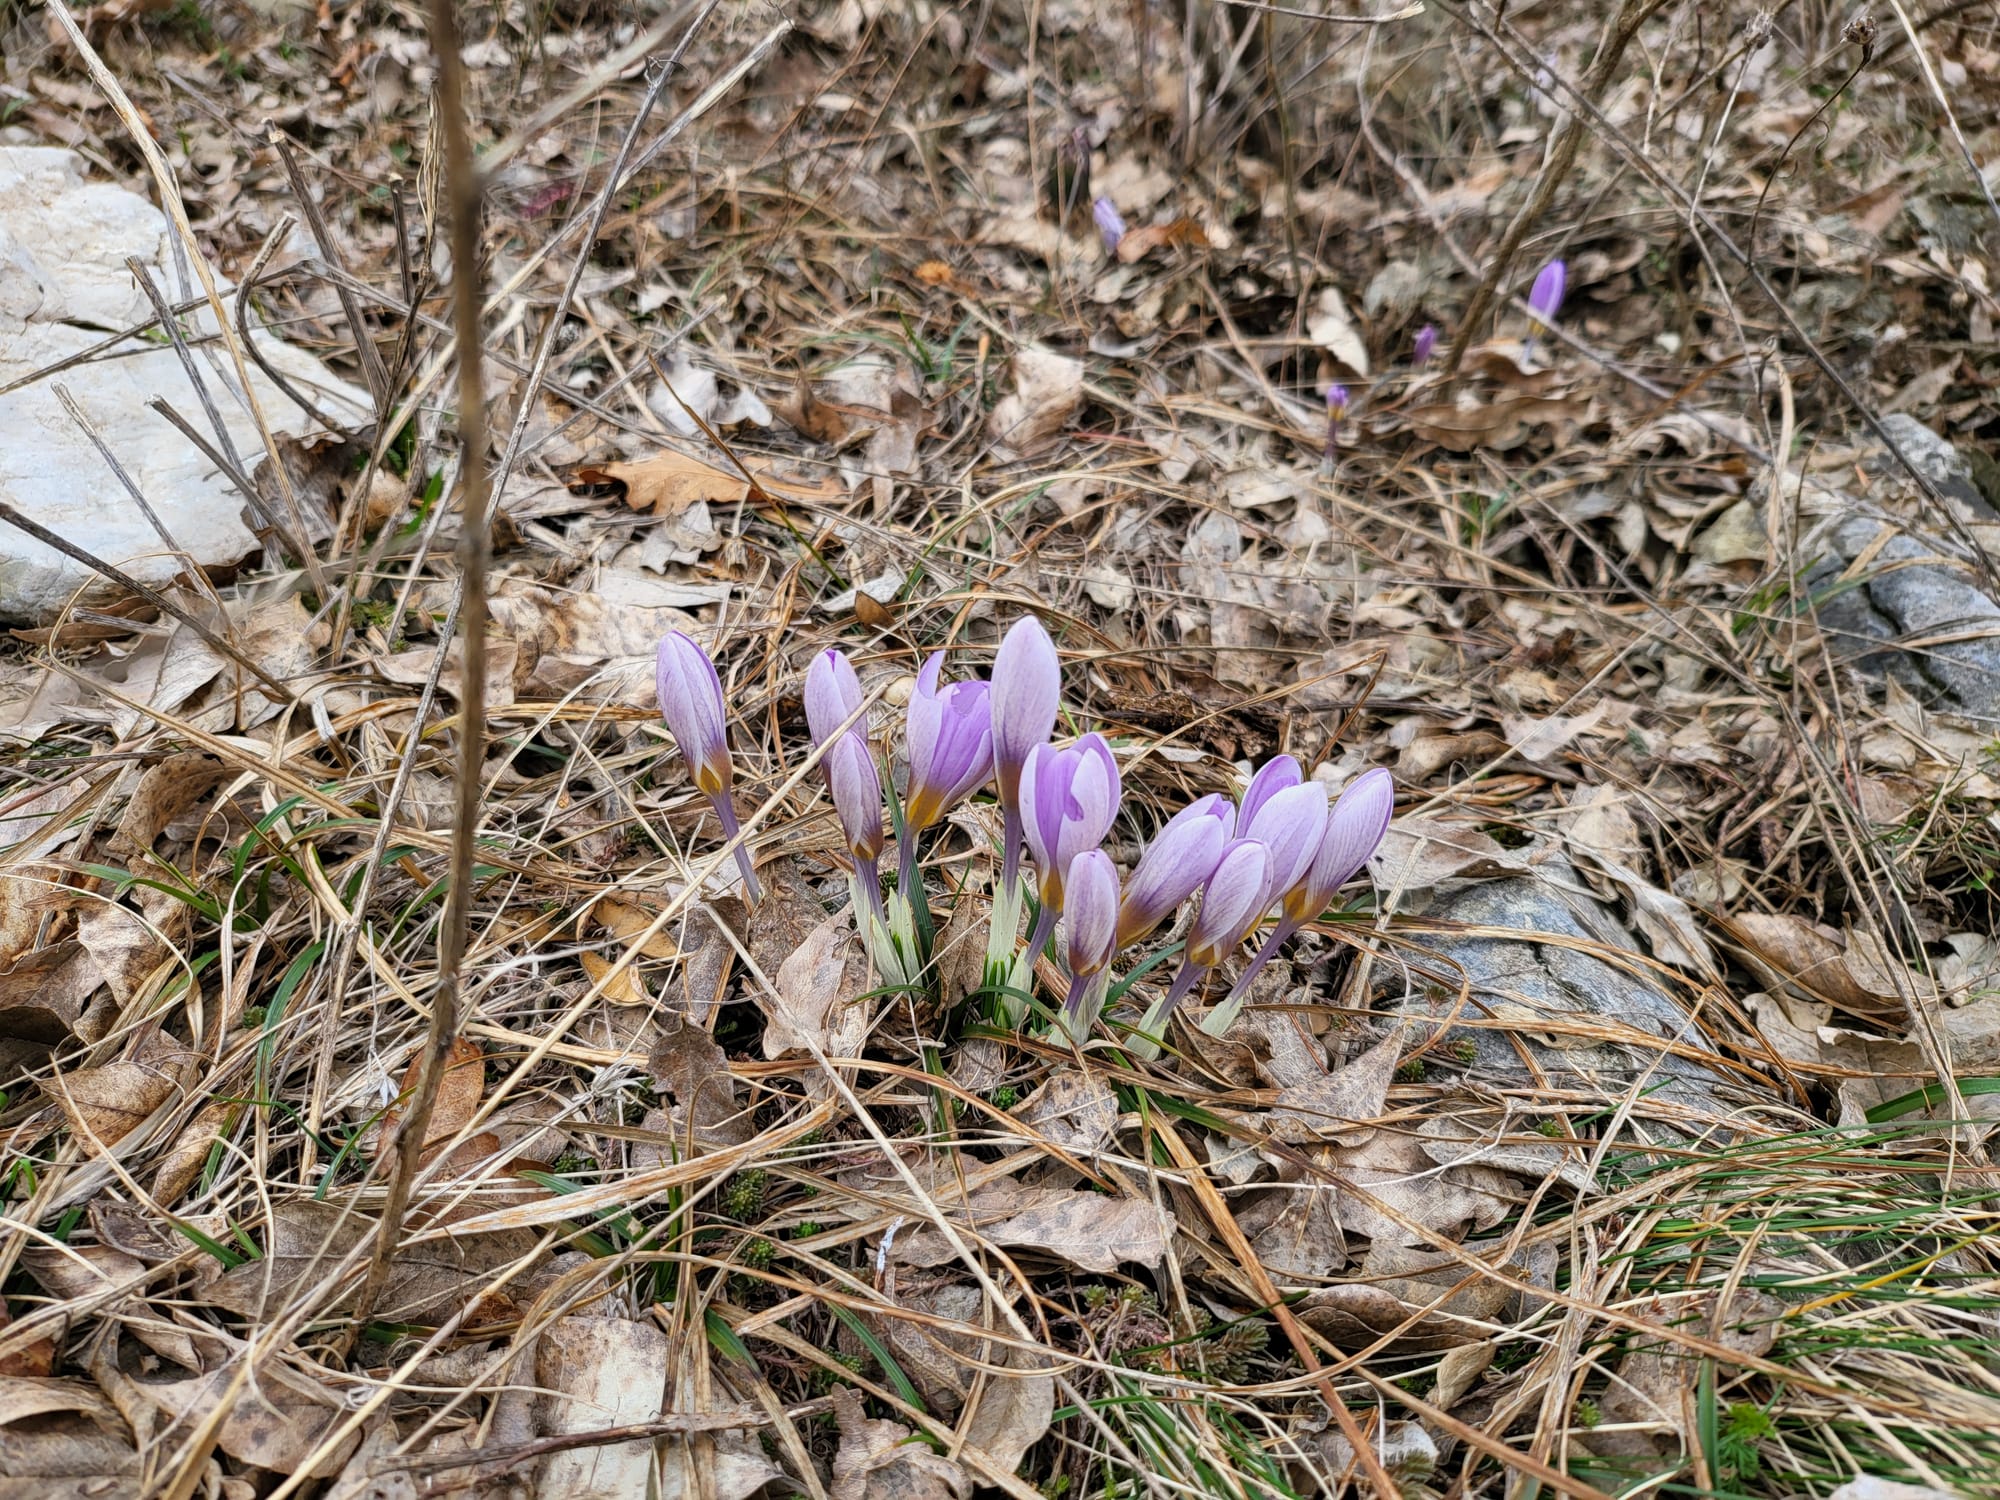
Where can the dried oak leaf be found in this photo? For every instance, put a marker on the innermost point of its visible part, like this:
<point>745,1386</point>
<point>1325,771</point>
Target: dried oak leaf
<point>1846,973</point>
<point>460,1090</point>
<point>428,1277</point>
<point>164,792</point>
<point>669,482</point>
<point>104,1105</point>
<point>1092,1231</point>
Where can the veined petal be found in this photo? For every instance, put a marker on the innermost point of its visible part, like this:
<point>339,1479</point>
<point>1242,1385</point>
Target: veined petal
<point>950,744</point>
<point>1277,773</point>
<point>833,693</point>
<point>1181,856</point>
<point>857,794</point>
<point>691,703</point>
<point>1291,825</point>
<point>1090,910</point>
<point>1235,898</point>
<point>1353,831</point>
<point>1546,298</point>
<point>1026,694</point>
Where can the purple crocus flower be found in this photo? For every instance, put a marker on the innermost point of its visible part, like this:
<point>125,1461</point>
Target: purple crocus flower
<point>1233,902</point>
<point>1545,299</point>
<point>1336,408</point>
<point>1274,776</point>
<point>1110,224</point>
<point>1290,824</point>
<point>691,703</point>
<point>1425,345</point>
<point>1181,856</point>
<point>856,786</point>
<point>1025,696</point>
<point>949,739</point>
<point>1353,830</point>
<point>1091,921</point>
<point>833,695</point>
<point>1069,798</point>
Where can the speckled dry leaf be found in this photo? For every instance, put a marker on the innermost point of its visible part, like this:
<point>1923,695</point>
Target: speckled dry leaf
<point>1337,1106</point>
<point>31,1362</point>
<point>1093,1231</point>
<point>126,946</point>
<point>308,1238</point>
<point>1408,1196</point>
<point>164,792</point>
<point>628,921</point>
<point>185,1158</point>
<point>817,1004</point>
<point>619,986</point>
<point>1395,1284</point>
<point>1789,949</point>
<point>1504,423</point>
<point>76,1273</point>
<point>1538,738</point>
<point>692,1072</point>
<point>61,1438</point>
<point>104,1105</point>
<point>1417,853</point>
<point>1048,389</point>
<point>877,1460</point>
<point>1075,1109</point>
<point>43,993</point>
<point>1013,1412</point>
<point>460,1089</point>
<point>599,1372</point>
<point>939,1361</point>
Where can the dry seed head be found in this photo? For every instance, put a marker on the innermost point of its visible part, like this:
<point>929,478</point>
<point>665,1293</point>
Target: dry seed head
<point>1861,32</point>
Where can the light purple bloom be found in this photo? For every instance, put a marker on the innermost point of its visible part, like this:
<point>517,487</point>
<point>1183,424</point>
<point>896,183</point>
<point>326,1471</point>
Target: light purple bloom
<point>1353,830</point>
<point>1181,856</point>
<point>950,743</point>
<point>1336,402</point>
<point>1235,897</point>
<point>1276,774</point>
<point>1547,296</point>
<point>1069,798</point>
<point>1026,692</point>
<point>1425,346</point>
<point>1290,824</point>
<point>833,693</point>
<point>691,703</point>
<point>1109,224</point>
<point>857,797</point>
<point>1090,909</point>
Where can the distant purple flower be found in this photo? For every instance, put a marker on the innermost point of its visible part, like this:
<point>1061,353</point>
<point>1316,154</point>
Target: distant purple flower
<point>1336,401</point>
<point>1069,798</point>
<point>1353,831</point>
<point>691,703</point>
<point>1336,409</point>
<point>1425,346</point>
<point>1181,856</point>
<point>950,743</point>
<point>1109,224</point>
<point>1545,300</point>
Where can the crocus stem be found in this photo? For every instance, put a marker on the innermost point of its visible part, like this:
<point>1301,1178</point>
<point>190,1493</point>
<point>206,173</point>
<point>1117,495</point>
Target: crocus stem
<point>1083,1003</point>
<point>725,811</point>
<point>1072,1007</point>
<point>1219,1020</point>
<point>1038,935</point>
<point>1154,1023</point>
<point>1010,850</point>
<point>868,888</point>
<point>906,863</point>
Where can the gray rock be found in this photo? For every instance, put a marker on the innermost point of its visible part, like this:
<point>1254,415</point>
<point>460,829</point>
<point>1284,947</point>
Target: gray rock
<point>1522,982</point>
<point>1920,613</point>
<point>63,286</point>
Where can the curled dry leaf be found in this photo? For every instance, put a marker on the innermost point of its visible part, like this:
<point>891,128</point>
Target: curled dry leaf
<point>460,1089</point>
<point>1844,972</point>
<point>670,482</point>
<point>104,1105</point>
<point>1397,1289</point>
<point>877,1460</point>
<point>164,793</point>
<point>65,1434</point>
<point>1184,232</point>
<point>185,1158</point>
<point>619,986</point>
<point>1092,1231</point>
<point>1048,389</point>
<point>1417,853</point>
<point>43,994</point>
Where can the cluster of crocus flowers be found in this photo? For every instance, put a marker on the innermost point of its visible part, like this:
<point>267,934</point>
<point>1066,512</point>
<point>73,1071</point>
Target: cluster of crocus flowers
<point>1280,849</point>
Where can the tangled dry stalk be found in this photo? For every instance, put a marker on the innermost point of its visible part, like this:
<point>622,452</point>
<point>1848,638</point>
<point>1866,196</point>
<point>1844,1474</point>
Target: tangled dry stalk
<point>400,1098</point>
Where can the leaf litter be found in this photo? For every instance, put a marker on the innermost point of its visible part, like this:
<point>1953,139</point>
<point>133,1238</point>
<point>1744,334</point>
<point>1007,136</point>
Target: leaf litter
<point>1629,1123</point>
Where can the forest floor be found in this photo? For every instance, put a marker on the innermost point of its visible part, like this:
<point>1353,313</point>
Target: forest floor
<point>1628,1131</point>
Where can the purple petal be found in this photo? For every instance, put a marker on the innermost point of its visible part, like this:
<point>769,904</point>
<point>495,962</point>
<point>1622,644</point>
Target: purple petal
<point>1090,908</point>
<point>1336,399</point>
<point>691,703</point>
<point>1235,897</point>
<point>833,693</point>
<point>950,744</point>
<point>1425,346</point>
<point>1546,298</point>
<point>1110,224</point>
<point>1353,830</point>
<point>1182,855</point>
<point>1291,825</point>
<point>1277,773</point>
<point>857,794</point>
<point>1026,693</point>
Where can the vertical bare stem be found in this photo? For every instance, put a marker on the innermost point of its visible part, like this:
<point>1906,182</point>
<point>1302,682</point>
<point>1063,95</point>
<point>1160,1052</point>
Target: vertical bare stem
<point>464,187</point>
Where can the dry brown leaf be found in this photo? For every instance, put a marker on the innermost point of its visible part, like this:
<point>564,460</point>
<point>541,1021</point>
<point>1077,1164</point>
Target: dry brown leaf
<point>669,482</point>
<point>1394,1284</point>
<point>44,993</point>
<point>32,1362</point>
<point>1093,1231</point>
<point>1791,950</point>
<point>692,1071</point>
<point>1013,1413</point>
<point>623,986</point>
<point>818,987</point>
<point>60,1439</point>
<point>1076,1110</point>
<point>308,1238</point>
<point>1417,853</point>
<point>1137,244</point>
<point>105,1104</point>
<point>164,792</point>
<point>1537,739</point>
<point>74,1273</point>
<point>629,920</point>
<point>1338,1106</point>
<point>460,1090</point>
<point>597,1373</point>
<point>1503,423</point>
<point>184,1159</point>
<point>1048,389</point>
<point>877,1460</point>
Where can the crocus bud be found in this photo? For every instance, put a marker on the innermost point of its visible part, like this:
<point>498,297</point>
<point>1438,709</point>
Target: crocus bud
<point>950,744</point>
<point>1277,773</point>
<point>1026,689</point>
<point>1069,798</point>
<point>1290,824</point>
<point>1109,224</point>
<point>1231,903</point>
<point>1336,402</point>
<point>857,796</point>
<point>1090,910</point>
<point>833,693</point>
<point>1425,346</point>
<point>1547,296</point>
<point>1353,830</point>
<point>1181,856</point>
<point>691,703</point>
